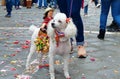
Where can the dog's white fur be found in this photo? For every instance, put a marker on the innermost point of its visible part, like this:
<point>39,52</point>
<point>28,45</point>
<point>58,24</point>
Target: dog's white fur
<point>64,48</point>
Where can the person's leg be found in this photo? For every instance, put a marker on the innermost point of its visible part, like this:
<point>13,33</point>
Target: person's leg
<point>9,7</point>
<point>114,26</point>
<point>116,11</point>
<point>75,14</point>
<point>103,17</point>
<point>86,10</point>
<point>40,4</point>
<point>45,3</point>
<point>62,4</point>
<point>17,3</point>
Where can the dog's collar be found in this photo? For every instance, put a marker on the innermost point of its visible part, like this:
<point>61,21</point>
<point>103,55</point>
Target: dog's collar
<point>58,35</point>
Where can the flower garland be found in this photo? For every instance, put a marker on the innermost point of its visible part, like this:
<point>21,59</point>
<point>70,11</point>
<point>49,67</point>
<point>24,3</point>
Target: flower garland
<point>42,42</point>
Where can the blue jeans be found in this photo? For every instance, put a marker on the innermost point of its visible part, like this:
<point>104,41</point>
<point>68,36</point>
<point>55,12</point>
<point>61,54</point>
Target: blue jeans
<point>86,9</point>
<point>16,3</point>
<point>9,4</point>
<point>41,1</point>
<point>105,7</point>
<point>64,6</point>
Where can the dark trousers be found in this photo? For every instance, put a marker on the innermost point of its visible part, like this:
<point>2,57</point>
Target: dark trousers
<point>9,4</point>
<point>64,6</point>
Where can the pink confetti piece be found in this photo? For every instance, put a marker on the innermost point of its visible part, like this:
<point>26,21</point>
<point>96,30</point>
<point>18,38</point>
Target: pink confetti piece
<point>15,75</point>
<point>13,55</point>
<point>25,46</point>
<point>27,42</point>
<point>92,59</point>
<point>13,69</point>
<point>83,77</point>
<point>68,78</point>
<point>16,42</point>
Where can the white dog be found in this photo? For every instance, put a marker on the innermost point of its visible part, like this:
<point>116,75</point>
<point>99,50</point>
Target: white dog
<point>63,46</point>
<point>59,31</point>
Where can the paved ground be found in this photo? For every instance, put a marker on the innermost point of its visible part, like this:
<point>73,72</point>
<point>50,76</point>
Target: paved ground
<point>103,56</point>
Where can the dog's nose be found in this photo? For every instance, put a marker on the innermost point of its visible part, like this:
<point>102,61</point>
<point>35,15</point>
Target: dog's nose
<point>53,25</point>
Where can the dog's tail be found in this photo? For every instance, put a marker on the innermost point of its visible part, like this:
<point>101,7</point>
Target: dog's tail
<point>32,28</point>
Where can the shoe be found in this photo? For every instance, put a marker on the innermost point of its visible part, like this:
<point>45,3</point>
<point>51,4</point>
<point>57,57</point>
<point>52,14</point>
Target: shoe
<point>38,7</point>
<point>98,5</point>
<point>82,56</point>
<point>81,52</point>
<point>8,16</point>
<point>113,27</point>
<point>101,34</point>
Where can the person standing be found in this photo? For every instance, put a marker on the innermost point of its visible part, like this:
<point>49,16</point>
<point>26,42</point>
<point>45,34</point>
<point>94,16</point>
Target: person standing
<point>105,6</point>
<point>9,4</point>
<point>72,9</point>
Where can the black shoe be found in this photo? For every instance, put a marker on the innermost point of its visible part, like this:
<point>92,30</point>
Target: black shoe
<point>114,27</point>
<point>8,16</point>
<point>101,34</point>
<point>82,56</point>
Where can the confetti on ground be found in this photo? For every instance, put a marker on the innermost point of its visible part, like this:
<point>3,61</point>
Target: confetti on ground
<point>16,42</point>
<point>92,59</point>
<point>22,76</point>
<point>13,69</point>
<point>13,62</point>
<point>116,71</point>
<point>2,62</point>
<point>27,42</point>
<point>25,46</point>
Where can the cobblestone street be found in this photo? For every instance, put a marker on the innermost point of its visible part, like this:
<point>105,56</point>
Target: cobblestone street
<point>103,57</point>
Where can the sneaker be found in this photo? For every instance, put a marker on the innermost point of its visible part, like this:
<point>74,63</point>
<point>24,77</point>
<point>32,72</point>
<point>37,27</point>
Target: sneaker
<point>8,16</point>
<point>98,5</point>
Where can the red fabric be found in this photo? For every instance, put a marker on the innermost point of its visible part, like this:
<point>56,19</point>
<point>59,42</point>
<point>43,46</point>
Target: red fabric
<point>82,3</point>
<point>47,19</point>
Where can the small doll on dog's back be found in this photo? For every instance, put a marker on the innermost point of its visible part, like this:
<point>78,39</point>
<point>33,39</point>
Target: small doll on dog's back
<point>48,15</point>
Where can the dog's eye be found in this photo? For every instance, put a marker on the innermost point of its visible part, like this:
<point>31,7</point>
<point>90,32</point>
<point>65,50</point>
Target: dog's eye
<point>59,21</point>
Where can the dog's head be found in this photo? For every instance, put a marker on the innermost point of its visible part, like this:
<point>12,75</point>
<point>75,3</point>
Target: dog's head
<point>62,24</point>
<point>59,21</point>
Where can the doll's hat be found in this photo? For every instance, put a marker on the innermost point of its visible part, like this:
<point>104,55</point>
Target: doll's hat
<point>48,9</point>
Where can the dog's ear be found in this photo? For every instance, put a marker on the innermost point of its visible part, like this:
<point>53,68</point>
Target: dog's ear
<point>71,29</point>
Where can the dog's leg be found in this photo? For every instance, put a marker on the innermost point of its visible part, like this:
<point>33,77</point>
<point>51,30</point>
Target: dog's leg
<point>66,63</point>
<point>39,58</point>
<point>32,50</point>
<point>51,65</point>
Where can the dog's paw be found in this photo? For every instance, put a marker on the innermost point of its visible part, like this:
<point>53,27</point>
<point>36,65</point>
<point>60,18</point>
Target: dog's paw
<point>32,69</point>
